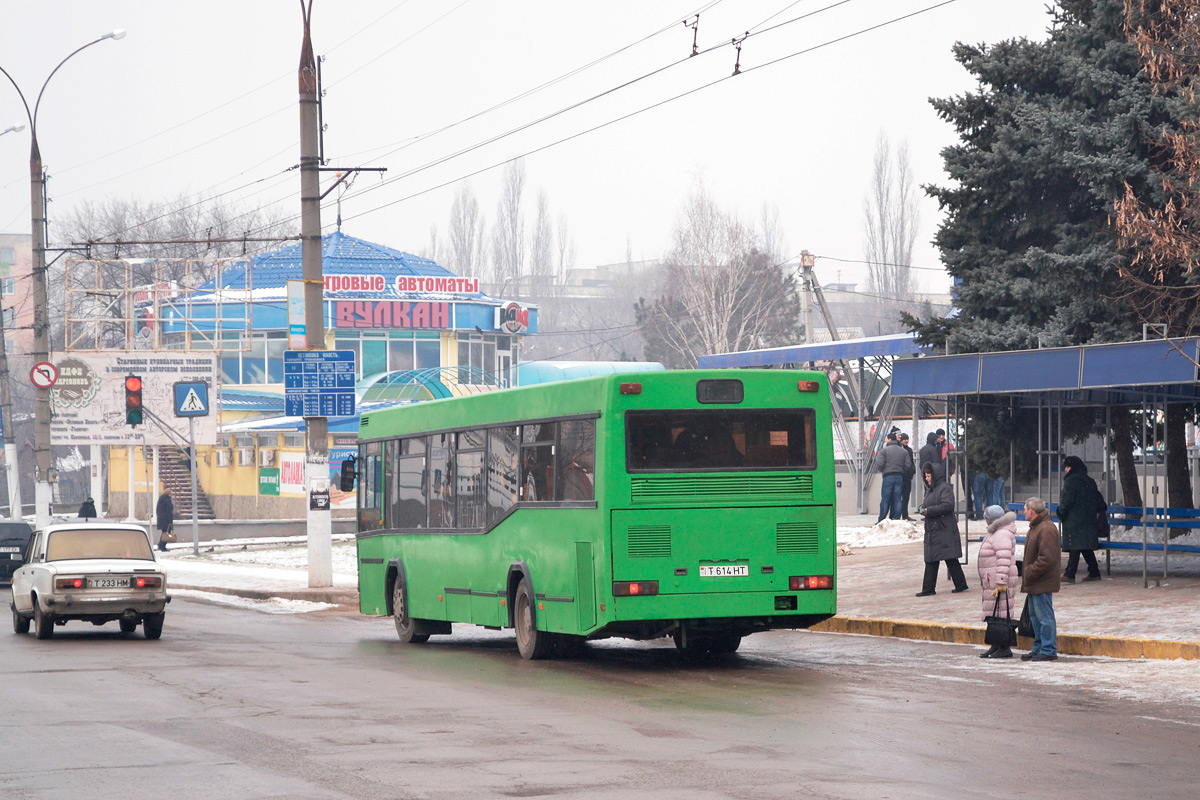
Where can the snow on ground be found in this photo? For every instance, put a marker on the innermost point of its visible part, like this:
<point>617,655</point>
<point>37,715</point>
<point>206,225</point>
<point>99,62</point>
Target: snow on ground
<point>293,554</point>
<point>887,532</point>
<point>275,605</point>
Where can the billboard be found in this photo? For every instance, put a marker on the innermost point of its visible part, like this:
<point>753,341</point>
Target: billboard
<point>87,403</point>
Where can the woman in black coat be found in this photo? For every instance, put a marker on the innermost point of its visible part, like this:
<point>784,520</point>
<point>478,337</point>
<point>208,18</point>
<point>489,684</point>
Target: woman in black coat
<point>942,542</point>
<point>165,512</point>
<point>1078,510</point>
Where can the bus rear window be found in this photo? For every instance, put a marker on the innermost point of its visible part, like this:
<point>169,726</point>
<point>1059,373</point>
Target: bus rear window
<point>720,440</point>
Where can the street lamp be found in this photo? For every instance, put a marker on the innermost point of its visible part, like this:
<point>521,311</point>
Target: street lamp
<point>13,129</point>
<point>41,319</point>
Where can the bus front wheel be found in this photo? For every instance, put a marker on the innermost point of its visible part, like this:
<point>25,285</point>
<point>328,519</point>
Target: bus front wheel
<point>531,643</point>
<point>406,626</point>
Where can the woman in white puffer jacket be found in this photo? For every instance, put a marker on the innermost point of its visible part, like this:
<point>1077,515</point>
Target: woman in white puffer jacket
<point>997,561</point>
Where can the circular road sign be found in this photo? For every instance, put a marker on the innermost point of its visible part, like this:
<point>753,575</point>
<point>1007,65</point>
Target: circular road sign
<point>43,375</point>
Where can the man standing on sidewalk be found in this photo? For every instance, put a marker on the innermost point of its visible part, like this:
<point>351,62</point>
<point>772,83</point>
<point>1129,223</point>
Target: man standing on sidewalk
<point>891,464</point>
<point>1040,580</point>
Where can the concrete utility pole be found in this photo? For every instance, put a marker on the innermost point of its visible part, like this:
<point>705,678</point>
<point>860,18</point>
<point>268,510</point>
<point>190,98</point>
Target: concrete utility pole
<point>316,429</point>
<point>807,260</point>
<point>43,487</point>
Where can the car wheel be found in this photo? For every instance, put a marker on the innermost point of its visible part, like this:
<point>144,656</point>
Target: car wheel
<point>531,643</point>
<point>127,625</point>
<point>20,624</point>
<point>406,626</point>
<point>43,625</point>
<point>152,624</point>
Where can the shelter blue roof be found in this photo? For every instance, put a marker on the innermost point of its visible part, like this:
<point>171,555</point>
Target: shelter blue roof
<point>900,344</point>
<point>1097,371</point>
<point>340,254</point>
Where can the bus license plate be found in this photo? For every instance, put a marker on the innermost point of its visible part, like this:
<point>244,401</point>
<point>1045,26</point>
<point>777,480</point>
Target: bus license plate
<point>724,570</point>
<point>108,583</point>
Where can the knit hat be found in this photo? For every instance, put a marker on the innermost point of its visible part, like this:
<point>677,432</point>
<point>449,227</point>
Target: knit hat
<point>992,513</point>
<point>940,432</point>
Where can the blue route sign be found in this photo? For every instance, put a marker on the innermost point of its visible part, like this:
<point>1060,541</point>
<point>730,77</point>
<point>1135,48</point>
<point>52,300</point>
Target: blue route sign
<point>191,399</point>
<point>318,383</point>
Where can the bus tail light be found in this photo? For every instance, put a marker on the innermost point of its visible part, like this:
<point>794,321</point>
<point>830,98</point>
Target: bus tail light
<point>809,386</point>
<point>631,388</point>
<point>799,583</point>
<point>154,582</point>
<point>68,583</point>
<point>634,588</point>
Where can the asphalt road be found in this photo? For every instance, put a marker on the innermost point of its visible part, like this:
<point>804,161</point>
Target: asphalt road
<point>235,703</point>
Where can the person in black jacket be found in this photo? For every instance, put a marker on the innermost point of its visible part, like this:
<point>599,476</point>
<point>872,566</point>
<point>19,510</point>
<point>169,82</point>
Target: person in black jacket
<point>1078,509</point>
<point>164,511</point>
<point>942,542</point>
<point>88,509</point>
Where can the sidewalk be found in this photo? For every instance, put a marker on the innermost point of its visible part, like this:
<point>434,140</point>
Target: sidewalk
<point>879,574</point>
<point>1115,616</point>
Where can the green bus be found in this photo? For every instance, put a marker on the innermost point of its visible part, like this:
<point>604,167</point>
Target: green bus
<point>692,504</point>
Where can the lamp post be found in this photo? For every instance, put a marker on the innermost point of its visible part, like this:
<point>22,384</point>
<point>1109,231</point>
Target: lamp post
<point>11,472</point>
<point>41,317</point>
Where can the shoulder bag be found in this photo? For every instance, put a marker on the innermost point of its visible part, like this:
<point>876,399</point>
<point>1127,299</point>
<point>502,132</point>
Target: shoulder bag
<point>1001,631</point>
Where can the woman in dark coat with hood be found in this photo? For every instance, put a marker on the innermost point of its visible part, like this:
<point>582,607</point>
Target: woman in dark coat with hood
<point>1078,509</point>
<point>942,542</point>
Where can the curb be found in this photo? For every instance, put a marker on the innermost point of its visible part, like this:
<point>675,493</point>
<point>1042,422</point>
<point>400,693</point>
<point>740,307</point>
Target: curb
<point>341,597</point>
<point>1068,644</point>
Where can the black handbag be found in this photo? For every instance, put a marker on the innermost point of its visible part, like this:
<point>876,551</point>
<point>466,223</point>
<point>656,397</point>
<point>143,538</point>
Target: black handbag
<point>1025,626</point>
<point>1001,631</point>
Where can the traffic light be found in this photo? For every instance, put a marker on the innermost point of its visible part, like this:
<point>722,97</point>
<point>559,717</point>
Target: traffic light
<point>133,400</point>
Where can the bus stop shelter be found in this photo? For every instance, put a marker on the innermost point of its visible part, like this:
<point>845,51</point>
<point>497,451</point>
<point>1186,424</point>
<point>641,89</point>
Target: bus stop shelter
<point>1150,376</point>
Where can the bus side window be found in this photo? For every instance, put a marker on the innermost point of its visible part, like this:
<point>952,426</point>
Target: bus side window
<point>577,460</point>
<point>503,477</point>
<point>537,461</point>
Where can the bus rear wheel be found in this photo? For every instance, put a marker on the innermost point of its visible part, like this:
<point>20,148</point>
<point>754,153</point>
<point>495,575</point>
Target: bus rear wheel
<point>531,643</point>
<point>700,644</point>
<point>406,626</point>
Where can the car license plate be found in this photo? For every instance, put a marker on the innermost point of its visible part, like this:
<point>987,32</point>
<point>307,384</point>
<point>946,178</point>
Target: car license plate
<point>108,583</point>
<point>724,570</point>
<point>10,549</point>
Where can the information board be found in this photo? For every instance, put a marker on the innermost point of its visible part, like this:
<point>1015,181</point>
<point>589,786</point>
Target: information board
<point>318,383</point>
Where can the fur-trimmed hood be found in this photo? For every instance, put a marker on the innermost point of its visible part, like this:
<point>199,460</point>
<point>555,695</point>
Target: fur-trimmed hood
<point>1009,518</point>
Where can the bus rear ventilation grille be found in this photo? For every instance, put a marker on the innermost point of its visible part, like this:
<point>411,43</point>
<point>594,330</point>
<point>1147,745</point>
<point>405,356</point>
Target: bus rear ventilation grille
<point>796,537</point>
<point>703,486</point>
<point>649,541</point>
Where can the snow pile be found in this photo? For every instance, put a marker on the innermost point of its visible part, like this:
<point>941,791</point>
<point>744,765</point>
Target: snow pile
<point>274,605</point>
<point>290,556</point>
<point>881,534</point>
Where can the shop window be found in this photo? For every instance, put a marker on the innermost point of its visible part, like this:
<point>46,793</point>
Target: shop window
<point>293,440</point>
<point>400,353</point>
<point>374,356</point>
<point>275,348</point>
<point>428,353</point>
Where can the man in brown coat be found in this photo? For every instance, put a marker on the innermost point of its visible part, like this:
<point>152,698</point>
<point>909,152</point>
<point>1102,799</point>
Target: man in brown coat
<point>1040,579</point>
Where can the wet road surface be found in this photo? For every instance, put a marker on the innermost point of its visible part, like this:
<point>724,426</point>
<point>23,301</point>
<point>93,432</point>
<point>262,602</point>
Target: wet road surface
<point>235,703</point>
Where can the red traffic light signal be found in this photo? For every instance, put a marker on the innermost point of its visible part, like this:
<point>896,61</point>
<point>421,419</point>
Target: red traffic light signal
<point>133,400</point>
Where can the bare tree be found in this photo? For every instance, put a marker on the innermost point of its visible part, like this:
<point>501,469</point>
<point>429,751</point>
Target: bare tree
<point>541,242</point>
<point>774,243</point>
<point>892,215</point>
<point>508,234</point>
<point>465,255</point>
<point>566,249</point>
<point>721,292</point>
<point>433,248</point>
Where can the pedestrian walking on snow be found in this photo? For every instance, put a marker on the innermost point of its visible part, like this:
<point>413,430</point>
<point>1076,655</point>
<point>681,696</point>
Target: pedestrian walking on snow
<point>942,542</point>
<point>997,561</point>
<point>1078,509</point>
<point>164,511</point>
<point>1043,554</point>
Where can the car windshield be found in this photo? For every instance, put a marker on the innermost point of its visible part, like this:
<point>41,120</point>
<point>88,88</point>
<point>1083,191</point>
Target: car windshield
<point>97,543</point>
<point>727,440</point>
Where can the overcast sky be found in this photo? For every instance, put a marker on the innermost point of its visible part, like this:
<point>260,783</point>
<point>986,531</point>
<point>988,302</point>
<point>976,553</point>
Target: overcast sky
<point>201,98</point>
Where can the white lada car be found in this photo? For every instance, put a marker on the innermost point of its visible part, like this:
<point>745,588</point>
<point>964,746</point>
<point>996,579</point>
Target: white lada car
<point>97,572</point>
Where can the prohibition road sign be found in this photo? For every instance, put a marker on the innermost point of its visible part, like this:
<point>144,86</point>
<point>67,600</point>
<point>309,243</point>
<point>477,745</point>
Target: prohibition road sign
<point>43,375</point>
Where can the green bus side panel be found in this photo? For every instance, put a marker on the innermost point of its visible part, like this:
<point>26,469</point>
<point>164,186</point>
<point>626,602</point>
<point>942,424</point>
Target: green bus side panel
<point>585,572</point>
<point>464,577</point>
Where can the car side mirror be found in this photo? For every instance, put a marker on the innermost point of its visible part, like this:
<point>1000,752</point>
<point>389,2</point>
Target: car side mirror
<point>349,474</point>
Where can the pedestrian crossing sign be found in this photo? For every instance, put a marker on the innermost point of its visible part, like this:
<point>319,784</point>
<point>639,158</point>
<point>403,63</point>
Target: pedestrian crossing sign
<point>191,399</point>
